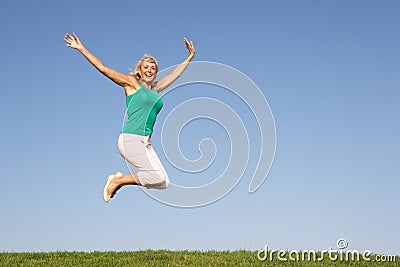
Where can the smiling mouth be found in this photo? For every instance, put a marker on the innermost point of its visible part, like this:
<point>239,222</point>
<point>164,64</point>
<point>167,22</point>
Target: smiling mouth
<point>148,76</point>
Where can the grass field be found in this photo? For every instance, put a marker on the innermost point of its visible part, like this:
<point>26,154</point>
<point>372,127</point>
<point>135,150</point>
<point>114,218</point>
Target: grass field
<point>169,258</point>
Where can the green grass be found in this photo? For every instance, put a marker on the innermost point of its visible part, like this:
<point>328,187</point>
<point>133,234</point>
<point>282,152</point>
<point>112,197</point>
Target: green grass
<point>165,258</point>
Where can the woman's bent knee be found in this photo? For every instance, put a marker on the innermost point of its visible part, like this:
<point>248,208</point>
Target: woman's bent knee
<point>154,179</point>
<point>164,181</point>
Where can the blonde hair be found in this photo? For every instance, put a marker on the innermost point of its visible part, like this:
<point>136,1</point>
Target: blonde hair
<point>146,58</point>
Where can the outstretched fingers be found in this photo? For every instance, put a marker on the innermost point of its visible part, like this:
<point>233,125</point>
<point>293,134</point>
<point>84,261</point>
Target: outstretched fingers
<point>72,40</point>
<point>68,38</point>
<point>189,45</point>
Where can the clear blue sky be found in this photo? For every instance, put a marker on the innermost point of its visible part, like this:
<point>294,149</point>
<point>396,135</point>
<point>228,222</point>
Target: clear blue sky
<point>330,73</point>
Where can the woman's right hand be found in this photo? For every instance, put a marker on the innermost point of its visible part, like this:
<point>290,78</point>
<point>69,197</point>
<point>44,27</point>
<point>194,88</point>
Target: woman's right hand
<point>73,41</point>
<point>189,46</point>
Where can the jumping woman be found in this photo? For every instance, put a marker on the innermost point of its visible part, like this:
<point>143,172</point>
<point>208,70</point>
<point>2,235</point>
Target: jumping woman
<point>143,104</point>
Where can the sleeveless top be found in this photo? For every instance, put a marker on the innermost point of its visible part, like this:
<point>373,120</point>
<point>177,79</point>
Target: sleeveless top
<point>143,107</point>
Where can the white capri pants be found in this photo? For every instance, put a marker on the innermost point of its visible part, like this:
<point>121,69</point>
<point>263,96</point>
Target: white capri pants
<point>138,151</point>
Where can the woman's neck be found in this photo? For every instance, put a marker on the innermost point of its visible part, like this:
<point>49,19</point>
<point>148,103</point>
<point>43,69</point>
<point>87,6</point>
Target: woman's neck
<point>148,85</point>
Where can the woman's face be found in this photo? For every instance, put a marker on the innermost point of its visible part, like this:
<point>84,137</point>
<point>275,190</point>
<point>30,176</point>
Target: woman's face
<point>148,71</point>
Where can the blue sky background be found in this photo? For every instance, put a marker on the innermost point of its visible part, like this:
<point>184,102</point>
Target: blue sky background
<point>329,70</point>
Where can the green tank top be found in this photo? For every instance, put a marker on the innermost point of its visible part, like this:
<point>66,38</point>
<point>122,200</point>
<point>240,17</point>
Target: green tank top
<point>143,107</point>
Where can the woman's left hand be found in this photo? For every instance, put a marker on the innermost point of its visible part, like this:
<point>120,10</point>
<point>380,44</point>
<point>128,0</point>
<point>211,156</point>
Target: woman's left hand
<point>189,46</point>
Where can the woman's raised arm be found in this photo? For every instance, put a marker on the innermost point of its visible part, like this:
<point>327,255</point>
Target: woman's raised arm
<point>121,79</point>
<point>171,77</point>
